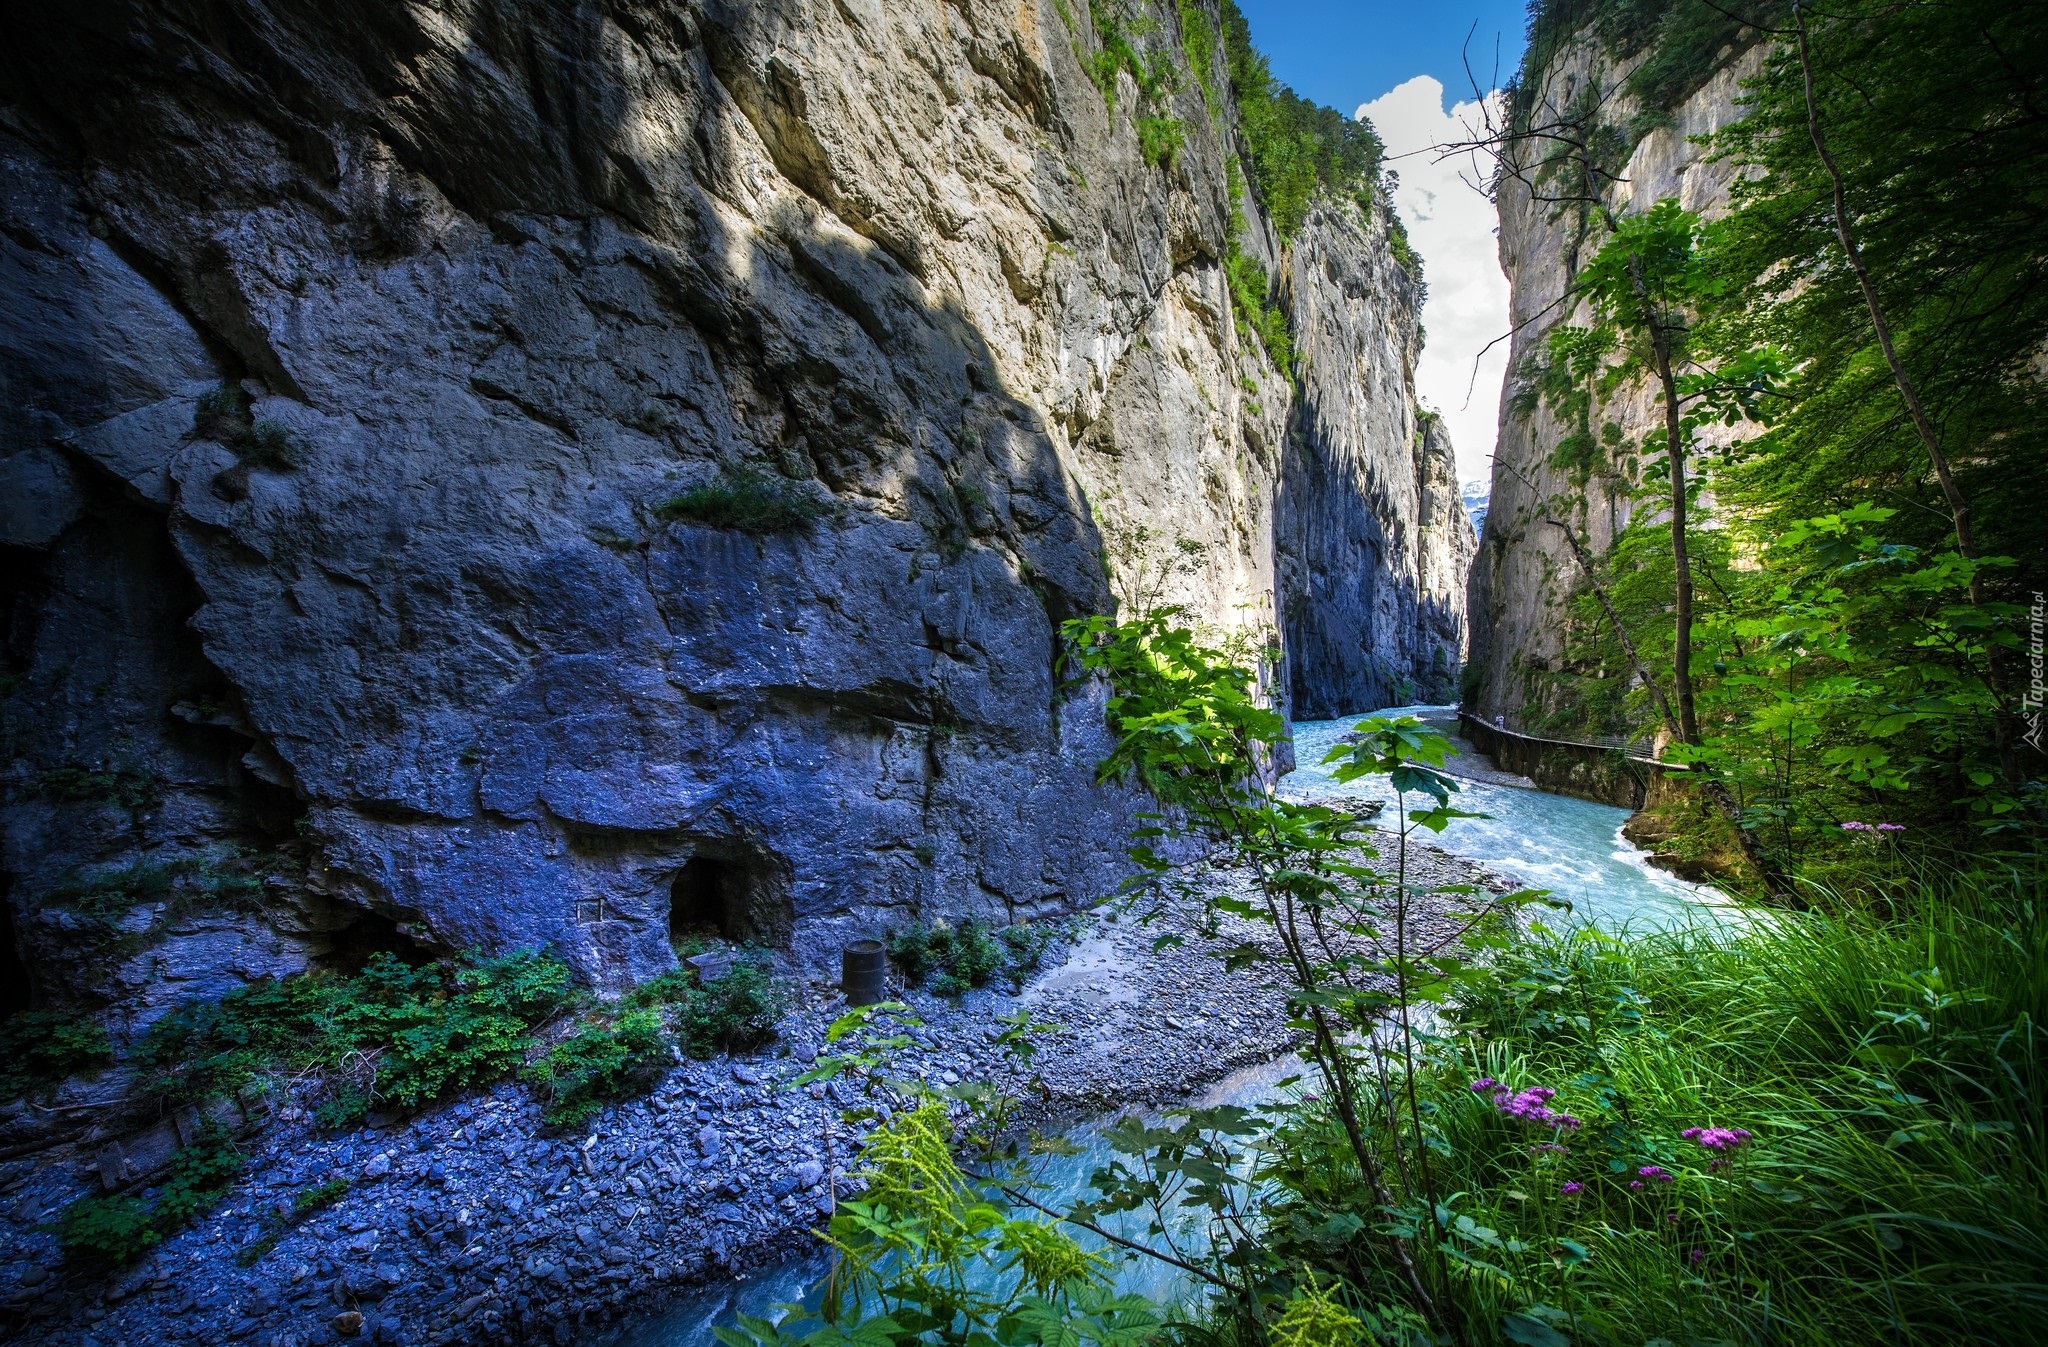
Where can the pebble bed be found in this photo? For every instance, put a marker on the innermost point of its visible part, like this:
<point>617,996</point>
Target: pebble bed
<point>470,1223</point>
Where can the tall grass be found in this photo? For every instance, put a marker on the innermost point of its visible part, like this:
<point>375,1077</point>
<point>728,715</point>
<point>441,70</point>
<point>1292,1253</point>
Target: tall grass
<point>1895,1188</point>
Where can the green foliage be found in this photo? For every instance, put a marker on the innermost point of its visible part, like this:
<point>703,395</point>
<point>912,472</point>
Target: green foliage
<point>1255,308</point>
<point>40,1048</point>
<point>124,787</point>
<point>599,1063</point>
<point>183,883</point>
<point>748,500</point>
<point>223,414</point>
<point>1160,139</point>
<point>1889,1074</point>
<point>1296,148</point>
<point>1198,42</point>
<point>111,1230</point>
<point>735,1013</point>
<point>956,958</point>
<point>906,1247</point>
<point>393,1035</point>
<point>118,1229</point>
<point>399,1036</point>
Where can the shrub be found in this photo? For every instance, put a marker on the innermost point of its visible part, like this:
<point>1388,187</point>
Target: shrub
<point>1296,147</point>
<point>223,414</point>
<point>107,1230</point>
<point>748,500</point>
<point>392,1034</point>
<point>233,884</point>
<point>956,958</point>
<point>600,1063</point>
<point>117,1229</point>
<point>39,1048</point>
<point>1160,140</point>
<point>128,788</point>
<point>268,444</point>
<point>734,1013</point>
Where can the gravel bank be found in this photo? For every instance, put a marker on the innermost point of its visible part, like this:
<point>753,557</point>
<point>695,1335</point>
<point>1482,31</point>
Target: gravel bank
<point>470,1223</point>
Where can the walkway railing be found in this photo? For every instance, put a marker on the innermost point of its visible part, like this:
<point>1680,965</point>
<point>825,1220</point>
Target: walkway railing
<point>1635,749</point>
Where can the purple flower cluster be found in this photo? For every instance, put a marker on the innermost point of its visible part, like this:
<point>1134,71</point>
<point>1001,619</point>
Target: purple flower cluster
<point>1718,1138</point>
<point>1654,1173</point>
<point>1531,1105</point>
<point>1573,1187</point>
<point>1853,827</point>
<point>1722,1141</point>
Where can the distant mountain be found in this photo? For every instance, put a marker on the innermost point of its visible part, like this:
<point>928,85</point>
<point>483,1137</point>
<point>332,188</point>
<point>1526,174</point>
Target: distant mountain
<point>1476,495</point>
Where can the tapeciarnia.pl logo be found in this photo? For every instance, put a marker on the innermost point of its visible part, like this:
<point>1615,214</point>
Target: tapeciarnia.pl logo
<point>2037,682</point>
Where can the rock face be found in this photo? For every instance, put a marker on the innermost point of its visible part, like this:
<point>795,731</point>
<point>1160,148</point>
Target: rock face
<point>351,353</point>
<point>1524,577</point>
<point>1374,541</point>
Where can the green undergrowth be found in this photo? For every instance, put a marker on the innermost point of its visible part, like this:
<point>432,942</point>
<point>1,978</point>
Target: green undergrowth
<point>392,1036</point>
<point>121,786</point>
<point>1686,42</point>
<point>749,501</point>
<point>120,1228</point>
<point>1889,1073</point>
<point>395,1036</point>
<point>195,882</point>
<point>1255,308</point>
<point>950,959</point>
<point>399,1036</point>
<point>40,1048</point>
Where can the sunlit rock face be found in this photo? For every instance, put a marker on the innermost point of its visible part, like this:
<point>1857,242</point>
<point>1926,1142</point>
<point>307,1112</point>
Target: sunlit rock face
<point>1525,575</point>
<point>350,350</point>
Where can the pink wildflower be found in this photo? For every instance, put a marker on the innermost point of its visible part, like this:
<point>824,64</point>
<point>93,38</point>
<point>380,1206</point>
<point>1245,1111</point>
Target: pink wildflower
<point>1654,1173</point>
<point>1635,1185</point>
<point>1891,827</point>
<point>1532,1106</point>
<point>1722,1141</point>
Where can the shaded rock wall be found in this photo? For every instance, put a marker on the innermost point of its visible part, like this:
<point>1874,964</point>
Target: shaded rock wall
<point>350,349</point>
<point>1374,540</point>
<point>1524,576</point>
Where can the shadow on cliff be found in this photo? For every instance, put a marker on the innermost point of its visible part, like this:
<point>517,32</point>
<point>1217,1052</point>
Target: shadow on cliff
<point>833,365</point>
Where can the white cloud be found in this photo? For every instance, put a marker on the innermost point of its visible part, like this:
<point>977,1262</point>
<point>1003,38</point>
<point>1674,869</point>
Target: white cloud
<point>1452,226</point>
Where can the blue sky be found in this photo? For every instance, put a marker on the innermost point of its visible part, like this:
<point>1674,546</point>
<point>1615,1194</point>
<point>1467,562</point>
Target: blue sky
<point>1347,52</point>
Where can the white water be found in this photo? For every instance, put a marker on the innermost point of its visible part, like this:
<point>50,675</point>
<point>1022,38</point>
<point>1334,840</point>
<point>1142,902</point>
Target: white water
<point>1573,848</point>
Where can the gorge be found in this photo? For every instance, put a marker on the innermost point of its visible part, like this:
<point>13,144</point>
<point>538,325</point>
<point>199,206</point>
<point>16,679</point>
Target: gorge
<point>533,531</point>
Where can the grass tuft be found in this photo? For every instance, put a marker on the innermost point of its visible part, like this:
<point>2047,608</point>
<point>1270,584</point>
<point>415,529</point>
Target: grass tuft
<point>748,500</point>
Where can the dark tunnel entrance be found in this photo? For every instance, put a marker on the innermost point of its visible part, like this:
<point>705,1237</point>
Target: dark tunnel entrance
<point>742,898</point>
<point>17,993</point>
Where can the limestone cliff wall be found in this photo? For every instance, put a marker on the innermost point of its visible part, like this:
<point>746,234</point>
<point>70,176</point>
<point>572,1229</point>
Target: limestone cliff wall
<point>1524,576</point>
<point>1374,549</point>
<point>350,349</point>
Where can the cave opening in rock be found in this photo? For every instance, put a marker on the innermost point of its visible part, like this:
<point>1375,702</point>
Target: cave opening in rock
<point>16,991</point>
<point>372,934</point>
<point>740,896</point>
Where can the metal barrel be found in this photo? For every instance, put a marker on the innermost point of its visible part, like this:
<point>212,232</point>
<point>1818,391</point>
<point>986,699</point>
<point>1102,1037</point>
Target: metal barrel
<point>863,969</point>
